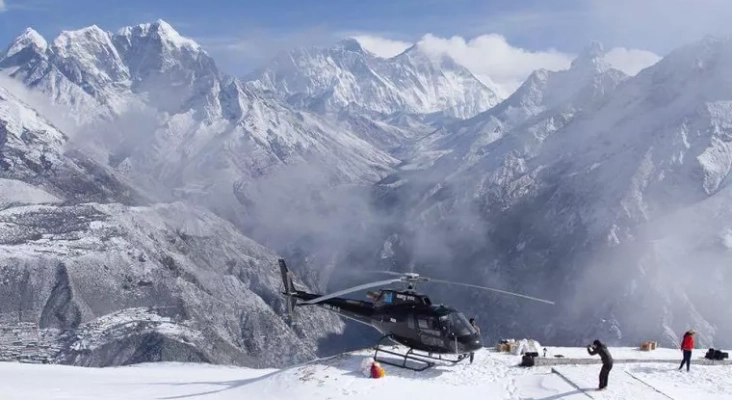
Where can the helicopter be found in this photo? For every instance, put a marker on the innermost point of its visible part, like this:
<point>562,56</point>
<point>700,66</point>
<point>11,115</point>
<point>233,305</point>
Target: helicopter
<point>406,317</point>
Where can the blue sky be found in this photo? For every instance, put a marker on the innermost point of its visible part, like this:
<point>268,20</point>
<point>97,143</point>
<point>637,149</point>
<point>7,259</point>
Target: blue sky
<point>402,19</point>
<point>243,33</point>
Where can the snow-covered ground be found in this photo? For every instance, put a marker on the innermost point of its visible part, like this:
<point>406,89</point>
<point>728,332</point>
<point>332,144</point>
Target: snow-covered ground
<point>491,376</point>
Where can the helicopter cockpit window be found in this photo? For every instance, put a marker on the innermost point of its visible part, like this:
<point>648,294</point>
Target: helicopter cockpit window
<point>385,298</point>
<point>460,325</point>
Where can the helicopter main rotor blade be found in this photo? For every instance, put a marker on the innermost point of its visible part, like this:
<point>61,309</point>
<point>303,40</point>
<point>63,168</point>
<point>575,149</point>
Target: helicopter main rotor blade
<point>388,273</point>
<point>495,290</point>
<point>349,290</point>
<point>426,279</point>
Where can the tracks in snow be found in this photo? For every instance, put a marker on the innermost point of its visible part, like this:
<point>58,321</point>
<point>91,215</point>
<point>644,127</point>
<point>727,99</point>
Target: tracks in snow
<point>622,384</point>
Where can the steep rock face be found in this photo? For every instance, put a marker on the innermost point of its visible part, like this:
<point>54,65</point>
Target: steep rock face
<point>214,294</point>
<point>343,75</point>
<point>553,192</point>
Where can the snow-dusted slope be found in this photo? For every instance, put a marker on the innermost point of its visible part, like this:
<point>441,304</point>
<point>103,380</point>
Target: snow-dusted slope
<point>493,376</point>
<point>33,152</point>
<point>546,101</point>
<point>551,192</point>
<point>346,74</point>
<point>108,284</point>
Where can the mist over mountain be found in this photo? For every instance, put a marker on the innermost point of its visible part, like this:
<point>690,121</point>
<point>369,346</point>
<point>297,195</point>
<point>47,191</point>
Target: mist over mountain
<point>555,190</point>
<point>137,169</point>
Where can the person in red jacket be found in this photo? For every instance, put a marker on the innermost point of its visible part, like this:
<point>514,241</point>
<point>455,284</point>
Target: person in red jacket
<point>687,345</point>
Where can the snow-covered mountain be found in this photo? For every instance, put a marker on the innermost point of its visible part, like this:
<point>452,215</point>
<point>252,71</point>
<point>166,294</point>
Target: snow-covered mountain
<point>93,274</point>
<point>346,75</point>
<point>150,66</point>
<point>153,105</point>
<point>553,191</point>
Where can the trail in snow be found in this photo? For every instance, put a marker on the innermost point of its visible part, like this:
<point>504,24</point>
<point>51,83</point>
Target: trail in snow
<point>621,386</point>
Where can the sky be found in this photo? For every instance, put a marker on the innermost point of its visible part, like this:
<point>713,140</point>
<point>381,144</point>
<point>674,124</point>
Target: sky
<point>498,39</point>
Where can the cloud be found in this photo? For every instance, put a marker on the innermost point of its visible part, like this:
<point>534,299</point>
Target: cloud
<point>659,24</point>
<point>493,57</point>
<point>2,6</point>
<point>498,63</point>
<point>631,61</point>
<point>56,114</point>
<point>382,47</point>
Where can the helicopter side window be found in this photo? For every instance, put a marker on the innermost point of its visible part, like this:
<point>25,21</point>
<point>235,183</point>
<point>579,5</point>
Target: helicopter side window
<point>428,325</point>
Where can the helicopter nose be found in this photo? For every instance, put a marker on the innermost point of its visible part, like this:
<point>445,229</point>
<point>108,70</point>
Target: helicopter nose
<point>470,343</point>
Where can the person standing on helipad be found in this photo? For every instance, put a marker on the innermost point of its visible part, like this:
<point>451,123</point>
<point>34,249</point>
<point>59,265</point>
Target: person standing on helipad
<point>687,345</point>
<point>600,348</point>
<point>472,323</point>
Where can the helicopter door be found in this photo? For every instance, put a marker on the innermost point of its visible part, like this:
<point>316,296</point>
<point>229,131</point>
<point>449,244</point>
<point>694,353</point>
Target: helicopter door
<point>410,321</point>
<point>447,327</point>
<point>429,331</point>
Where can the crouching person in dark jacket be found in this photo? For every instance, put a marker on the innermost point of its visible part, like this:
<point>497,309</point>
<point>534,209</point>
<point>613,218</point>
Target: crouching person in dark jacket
<point>607,361</point>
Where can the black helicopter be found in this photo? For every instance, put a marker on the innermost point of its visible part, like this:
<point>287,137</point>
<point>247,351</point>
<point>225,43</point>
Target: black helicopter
<point>405,316</point>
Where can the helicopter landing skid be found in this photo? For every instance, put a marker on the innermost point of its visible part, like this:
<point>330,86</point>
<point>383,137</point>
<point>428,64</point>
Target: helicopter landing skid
<point>411,355</point>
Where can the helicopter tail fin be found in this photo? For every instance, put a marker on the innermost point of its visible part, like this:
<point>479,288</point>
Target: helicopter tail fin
<point>289,287</point>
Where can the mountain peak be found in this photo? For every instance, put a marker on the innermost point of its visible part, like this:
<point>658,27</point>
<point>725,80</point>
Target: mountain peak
<point>160,29</point>
<point>91,33</point>
<point>163,26</point>
<point>163,29</point>
<point>423,54</point>
<point>593,50</point>
<point>351,44</point>
<point>29,37</point>
<point>592,58</point>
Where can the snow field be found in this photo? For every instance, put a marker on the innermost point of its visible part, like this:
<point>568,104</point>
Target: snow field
<point>491,376</point>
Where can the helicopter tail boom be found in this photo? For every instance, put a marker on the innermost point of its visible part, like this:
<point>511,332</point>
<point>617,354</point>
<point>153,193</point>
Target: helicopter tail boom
<point>353,309</point>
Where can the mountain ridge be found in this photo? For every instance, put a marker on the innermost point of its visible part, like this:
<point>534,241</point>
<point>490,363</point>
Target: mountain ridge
<point>555,187</point>
<point>330,78</point>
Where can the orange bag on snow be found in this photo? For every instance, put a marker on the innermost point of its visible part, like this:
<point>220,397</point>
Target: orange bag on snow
<point>377,371</point>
